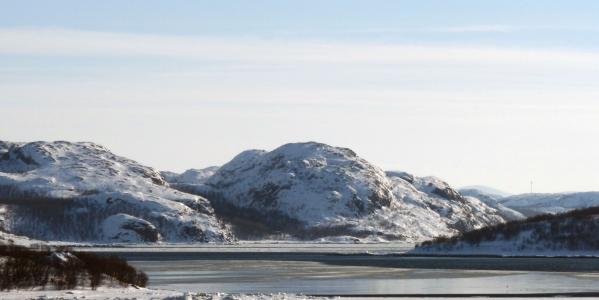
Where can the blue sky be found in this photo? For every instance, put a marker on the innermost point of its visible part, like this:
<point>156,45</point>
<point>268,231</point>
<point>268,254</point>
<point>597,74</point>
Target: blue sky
<point>543,23</point>
<point>475,92</point>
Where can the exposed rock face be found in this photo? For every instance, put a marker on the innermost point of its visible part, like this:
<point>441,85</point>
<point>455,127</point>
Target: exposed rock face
<point>124,228</point>
<point>66,191</point>
<point>444,210</point>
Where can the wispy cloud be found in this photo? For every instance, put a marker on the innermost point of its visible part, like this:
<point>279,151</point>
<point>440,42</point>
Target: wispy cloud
<point>66,42</point>
<point>474,28</point>
<point>477,29</point>
<point>483,28</point>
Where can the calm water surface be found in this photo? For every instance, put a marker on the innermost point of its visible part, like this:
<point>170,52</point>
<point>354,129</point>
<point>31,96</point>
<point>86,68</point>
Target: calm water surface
<point>399,276</point>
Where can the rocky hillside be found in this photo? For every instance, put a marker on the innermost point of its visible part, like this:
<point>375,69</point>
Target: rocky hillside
<point>313,190</point>
<point>83,192</point>
<point>572,233</point>
<point>432,197</point>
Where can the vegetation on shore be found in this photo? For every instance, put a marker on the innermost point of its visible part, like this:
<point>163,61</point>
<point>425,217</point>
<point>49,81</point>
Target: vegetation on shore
<point>62,268</point>
<point>574,230</point>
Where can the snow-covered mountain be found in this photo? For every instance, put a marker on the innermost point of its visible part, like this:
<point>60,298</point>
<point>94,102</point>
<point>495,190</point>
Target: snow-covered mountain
<point>191,176</point>
<point>487,190</point>
<point>492,200</point>
<point>516,206</point>
<point>535,204</point>
<point>430,198</point>
<point>572,233</point>
<point>83,192</point>
<point>314,190</point>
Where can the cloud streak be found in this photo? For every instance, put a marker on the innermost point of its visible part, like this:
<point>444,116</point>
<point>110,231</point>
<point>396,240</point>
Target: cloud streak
<point>493,28</point>
<point>78,43</point>
<point>475,29</point>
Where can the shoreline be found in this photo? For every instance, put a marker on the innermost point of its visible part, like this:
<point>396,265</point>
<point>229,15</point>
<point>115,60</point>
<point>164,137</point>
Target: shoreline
<point>401,261</point>
<point>107,293</point>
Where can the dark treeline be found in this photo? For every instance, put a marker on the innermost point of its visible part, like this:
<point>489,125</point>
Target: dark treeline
<point>40,266</point>
<point>574,230</point>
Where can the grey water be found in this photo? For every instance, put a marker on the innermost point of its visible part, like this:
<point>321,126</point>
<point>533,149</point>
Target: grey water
<point>367,275</point>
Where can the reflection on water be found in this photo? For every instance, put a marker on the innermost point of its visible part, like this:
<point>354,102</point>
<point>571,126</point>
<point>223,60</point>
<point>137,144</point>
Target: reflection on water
<point>268,276</point>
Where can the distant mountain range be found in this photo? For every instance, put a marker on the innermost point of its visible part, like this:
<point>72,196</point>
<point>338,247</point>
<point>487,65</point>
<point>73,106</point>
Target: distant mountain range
<point>487,190</point>
<point>492,201</point>
<point>535,204</point>
<point>530,205</point>
<point>82,192</point>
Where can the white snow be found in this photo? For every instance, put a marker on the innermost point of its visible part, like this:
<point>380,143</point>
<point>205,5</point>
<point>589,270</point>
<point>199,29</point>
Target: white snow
<point>561,235</point>
<point>324,186</point>
<point>492,201</point>
<point>535,204</point>
<point>487,190</point>
<point>328,184</point>
<point>193,176</point>
<point>101,184</point>
<point>104,293</point>
<point>126,229</point>
<point>320,186</point>
<point>528,205</point>
<point>155,294</point>
<point>8,238</point>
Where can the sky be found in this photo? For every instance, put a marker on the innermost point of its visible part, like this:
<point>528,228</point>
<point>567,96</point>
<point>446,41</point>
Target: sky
<point>494,93</point>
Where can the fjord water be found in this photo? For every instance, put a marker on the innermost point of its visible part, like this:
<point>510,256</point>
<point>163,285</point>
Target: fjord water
<point>264,276</point>
<point>343,274</point>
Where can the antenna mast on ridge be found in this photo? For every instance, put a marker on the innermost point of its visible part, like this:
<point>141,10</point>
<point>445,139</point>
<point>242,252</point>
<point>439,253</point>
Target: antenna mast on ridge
<point>531,186</point>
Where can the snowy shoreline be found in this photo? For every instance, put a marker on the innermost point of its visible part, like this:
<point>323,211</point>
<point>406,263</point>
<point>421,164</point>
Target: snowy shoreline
<point>141,294</point>
<point>374,249</point>
<point>157,294</point>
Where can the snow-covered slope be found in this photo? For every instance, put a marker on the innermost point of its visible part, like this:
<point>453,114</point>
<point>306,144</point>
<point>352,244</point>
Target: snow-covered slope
<point>313,190</point>
<point>487,190</point>
<point>535,204</point>
<point>572,233</point>
<point>516,206</point>
<point>492,201</point>
<point>128,229</point>
<point>191,176</point>
<point>432,199</point>
<point>303,184</point>
<point>78,192</point>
